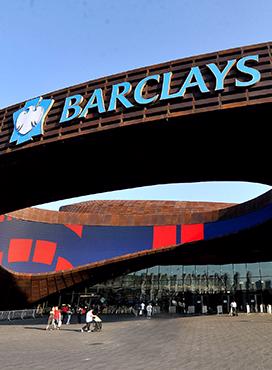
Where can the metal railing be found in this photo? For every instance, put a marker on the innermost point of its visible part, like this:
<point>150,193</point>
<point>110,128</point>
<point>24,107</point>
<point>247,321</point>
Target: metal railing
<point>18,314</point>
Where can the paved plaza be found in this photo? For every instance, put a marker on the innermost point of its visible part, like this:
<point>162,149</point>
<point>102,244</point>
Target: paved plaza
<point>164,342</point>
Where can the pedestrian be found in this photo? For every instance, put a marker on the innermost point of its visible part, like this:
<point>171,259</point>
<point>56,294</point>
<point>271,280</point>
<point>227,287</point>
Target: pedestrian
<point>248,308</point>
<point>233,308</point>
<point>57,317</point>
<point>64,311</point>
<point>80,312</point>
<point>149,310</point>
<point>89,319</point>
<point>142,307</point>
<point>69,314</point>
<point>51,323</point>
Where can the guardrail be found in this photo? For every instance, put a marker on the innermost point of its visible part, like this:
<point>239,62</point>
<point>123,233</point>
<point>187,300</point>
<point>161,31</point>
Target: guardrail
<point>18,314</point>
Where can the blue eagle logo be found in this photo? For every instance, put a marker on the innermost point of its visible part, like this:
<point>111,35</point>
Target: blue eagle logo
<point>28,121</point>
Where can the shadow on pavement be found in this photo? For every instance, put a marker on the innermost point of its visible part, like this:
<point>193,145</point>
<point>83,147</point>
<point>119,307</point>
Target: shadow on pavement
<point>43,329</point>
<point>105,318</point>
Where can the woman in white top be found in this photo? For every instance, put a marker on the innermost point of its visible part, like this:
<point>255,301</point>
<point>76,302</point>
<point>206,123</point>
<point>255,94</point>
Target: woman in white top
<point>149,310</point>
<point>89,319</point>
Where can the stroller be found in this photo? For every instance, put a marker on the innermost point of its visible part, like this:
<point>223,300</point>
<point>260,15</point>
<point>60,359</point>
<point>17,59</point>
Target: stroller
<point>97,323</point>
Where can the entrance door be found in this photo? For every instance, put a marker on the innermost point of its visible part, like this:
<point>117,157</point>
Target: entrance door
<point>225,303</point>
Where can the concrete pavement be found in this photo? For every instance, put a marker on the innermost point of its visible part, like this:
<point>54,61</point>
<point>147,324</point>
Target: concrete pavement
<point>165,342</point>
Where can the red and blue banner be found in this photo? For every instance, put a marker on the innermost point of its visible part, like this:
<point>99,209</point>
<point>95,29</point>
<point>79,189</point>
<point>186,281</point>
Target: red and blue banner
<point>37,247</point>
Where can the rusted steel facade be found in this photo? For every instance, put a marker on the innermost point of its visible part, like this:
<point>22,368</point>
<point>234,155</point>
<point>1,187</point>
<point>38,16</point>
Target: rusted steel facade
<point>125,213</point>
<point>167,133</point>
<point>192,103</point>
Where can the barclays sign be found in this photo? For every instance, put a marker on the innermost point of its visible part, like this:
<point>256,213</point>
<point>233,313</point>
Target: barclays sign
<point>73,105</point>
<point>28,121</point>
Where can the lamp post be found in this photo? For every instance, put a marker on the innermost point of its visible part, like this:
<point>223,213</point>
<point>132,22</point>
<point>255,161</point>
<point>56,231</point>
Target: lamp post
<point>228,299</point>
<point>262,283</point>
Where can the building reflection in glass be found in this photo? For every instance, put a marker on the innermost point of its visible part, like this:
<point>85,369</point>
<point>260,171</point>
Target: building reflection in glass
<point>203,285</point>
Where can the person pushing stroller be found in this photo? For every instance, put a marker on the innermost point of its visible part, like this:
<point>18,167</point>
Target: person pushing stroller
<point>89,318</point>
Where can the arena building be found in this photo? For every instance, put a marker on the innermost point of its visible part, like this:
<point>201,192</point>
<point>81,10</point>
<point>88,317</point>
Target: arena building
<point>194,119</point>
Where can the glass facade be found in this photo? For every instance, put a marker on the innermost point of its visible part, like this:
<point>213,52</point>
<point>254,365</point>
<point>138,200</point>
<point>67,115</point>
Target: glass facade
<point>203,287</point>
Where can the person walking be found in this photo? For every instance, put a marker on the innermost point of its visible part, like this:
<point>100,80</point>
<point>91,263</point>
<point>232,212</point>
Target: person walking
<point>79,311</point>
<point>57,317</point>
<point>247,309</point>
<point>64,310</point>
<point>233,308</point>
<point>69,314</point>
<point>142,307</point>
<point>89,319</point>
<point>149,310</point>
<point>51,323</point>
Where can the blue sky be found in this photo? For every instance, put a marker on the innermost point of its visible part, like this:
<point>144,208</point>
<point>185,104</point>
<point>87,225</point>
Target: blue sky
<point>48,45</point>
